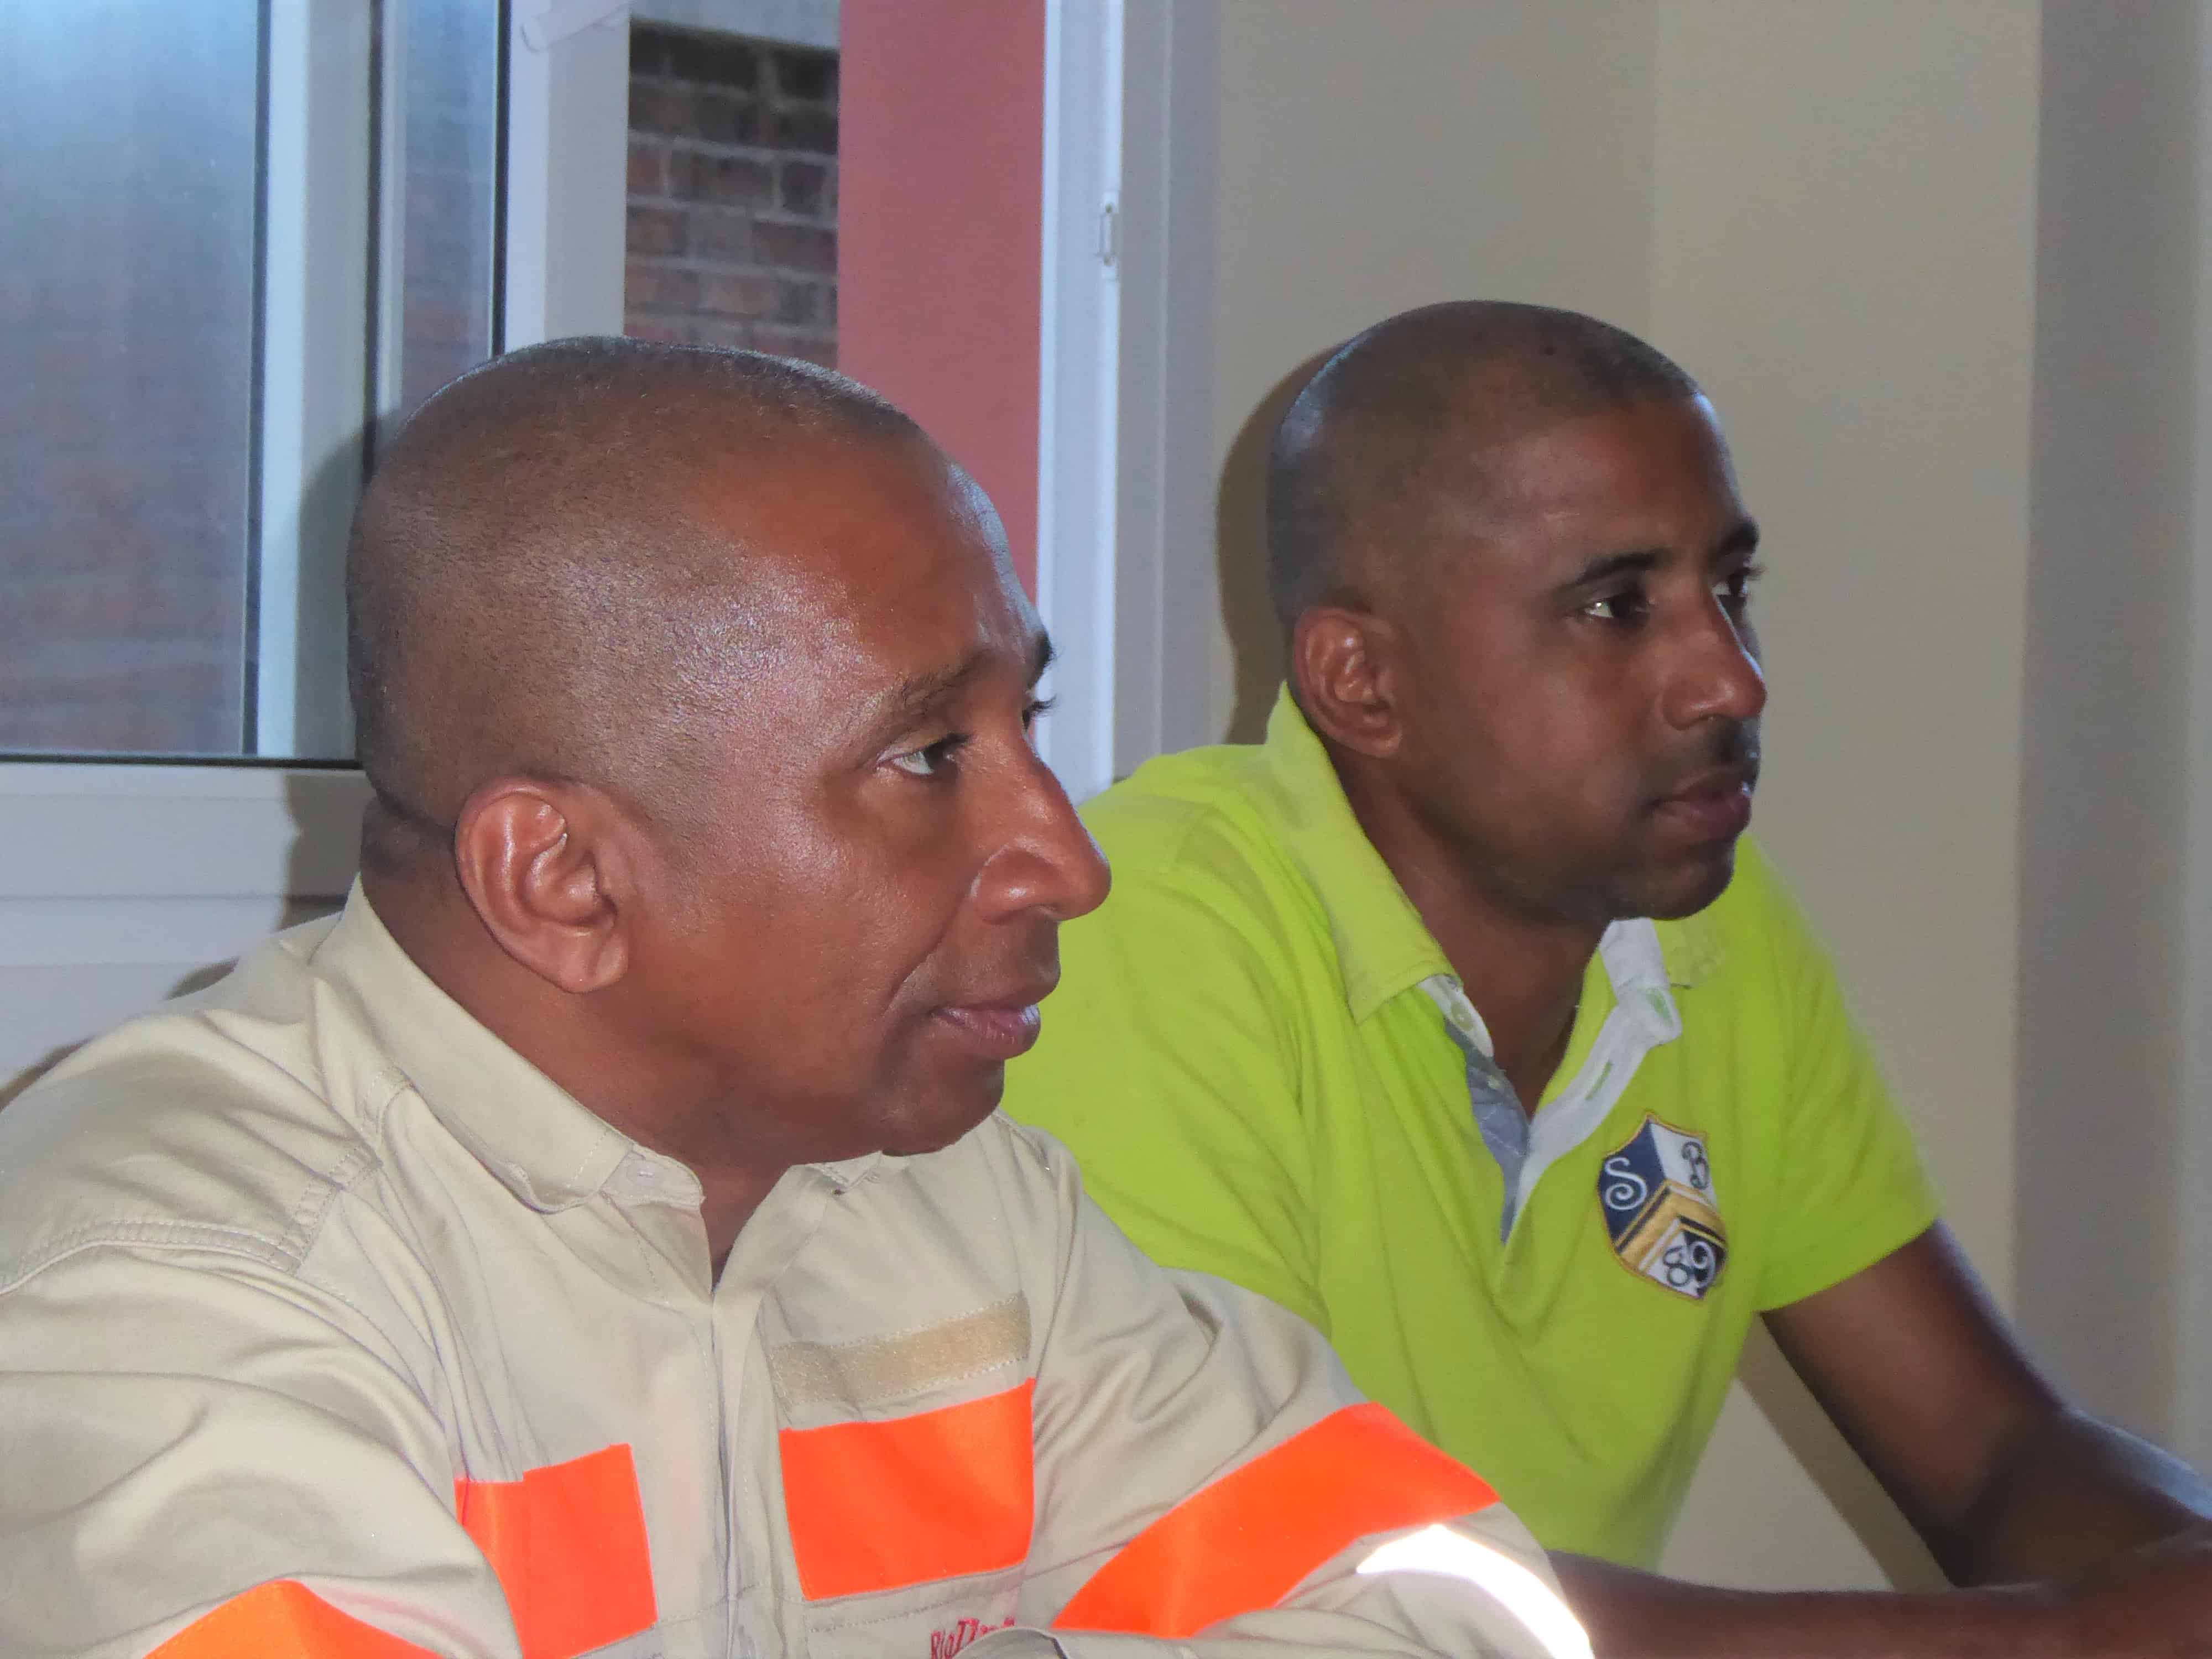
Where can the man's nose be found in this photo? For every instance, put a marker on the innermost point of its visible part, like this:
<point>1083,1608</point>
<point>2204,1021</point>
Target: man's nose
<point>1716,674</point>
<point>1045,858</point>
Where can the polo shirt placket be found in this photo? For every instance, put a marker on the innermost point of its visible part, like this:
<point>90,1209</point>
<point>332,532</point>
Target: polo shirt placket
<point>1642,1016</point>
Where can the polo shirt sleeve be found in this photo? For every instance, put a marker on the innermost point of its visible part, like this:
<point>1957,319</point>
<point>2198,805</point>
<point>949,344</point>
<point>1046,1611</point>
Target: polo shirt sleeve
<point>1852,1187</point>
<point>1169,1061</point>
<point>203,1457</point>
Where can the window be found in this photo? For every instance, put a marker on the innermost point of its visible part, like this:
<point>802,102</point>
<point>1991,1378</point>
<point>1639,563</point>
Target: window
<point>732,224</point>
<point>242,240</point>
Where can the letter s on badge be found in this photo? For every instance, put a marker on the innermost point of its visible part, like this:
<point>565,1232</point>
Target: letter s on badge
<point>1656,1193</point>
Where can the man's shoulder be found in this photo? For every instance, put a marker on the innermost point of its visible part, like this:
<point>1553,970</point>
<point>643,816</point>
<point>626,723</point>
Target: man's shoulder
<point>1729,946</point>
<point>1154,813</point>
<point>1212,825</point>
<point>219,1124</point>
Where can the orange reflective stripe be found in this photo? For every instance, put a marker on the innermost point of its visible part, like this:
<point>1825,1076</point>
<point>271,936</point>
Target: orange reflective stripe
<point>283,1621</point>
<point>874,1506</point>
<point>1245,1541</point>
<point>568,1542</point>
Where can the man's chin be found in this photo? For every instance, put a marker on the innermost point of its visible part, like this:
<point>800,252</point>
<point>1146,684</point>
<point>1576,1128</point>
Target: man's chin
<point>949,1112</point>
<point>1686,889</point>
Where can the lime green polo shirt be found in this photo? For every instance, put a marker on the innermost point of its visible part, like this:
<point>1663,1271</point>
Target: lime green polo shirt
<point>1248,1053</point>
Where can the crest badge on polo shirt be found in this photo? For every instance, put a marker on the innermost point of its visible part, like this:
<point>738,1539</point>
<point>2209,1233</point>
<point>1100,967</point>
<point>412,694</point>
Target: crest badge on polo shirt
<point>1656,1192</point>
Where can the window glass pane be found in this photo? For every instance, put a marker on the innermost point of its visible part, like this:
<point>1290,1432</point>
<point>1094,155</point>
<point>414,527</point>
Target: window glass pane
<point>449,108</point>
<point>219,215</point>
<point>127,187</point>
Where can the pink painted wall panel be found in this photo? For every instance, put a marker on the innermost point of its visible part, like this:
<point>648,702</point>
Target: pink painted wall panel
<point>940,196</point>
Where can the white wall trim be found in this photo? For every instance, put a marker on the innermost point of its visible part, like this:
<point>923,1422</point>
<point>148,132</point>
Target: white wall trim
<point>1126,573</point>
<point>1078,396</point>
<point>2193,1245</point>
<point>1168,575</point>
<point>314,365</point>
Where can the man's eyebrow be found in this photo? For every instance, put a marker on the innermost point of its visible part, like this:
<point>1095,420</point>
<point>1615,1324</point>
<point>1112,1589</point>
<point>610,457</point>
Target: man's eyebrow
<point>1742,539</point>
<point>913,697</point>
<point>1610,565</point>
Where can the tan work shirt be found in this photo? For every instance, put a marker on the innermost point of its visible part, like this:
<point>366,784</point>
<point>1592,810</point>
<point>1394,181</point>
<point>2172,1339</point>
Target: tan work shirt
<point>331,1326</point>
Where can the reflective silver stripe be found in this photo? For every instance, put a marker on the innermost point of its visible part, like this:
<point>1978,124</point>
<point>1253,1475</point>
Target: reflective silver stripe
<point>1448,1554</point>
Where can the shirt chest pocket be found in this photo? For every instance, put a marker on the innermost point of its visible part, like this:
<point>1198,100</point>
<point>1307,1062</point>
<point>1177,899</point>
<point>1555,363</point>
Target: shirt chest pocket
<point>909,1533</point>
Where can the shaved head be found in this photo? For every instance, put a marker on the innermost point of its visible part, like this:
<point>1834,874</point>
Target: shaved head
<point>535,566</point>
<point>697,691</point>
<point>1393,439</point>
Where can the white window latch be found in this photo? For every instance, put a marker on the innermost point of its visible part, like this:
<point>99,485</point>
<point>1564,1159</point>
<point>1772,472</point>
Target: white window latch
<point>560,19</point>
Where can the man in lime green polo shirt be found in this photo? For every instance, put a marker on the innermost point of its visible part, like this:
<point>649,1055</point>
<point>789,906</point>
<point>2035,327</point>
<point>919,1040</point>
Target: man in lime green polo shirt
<point>1457,1017</point>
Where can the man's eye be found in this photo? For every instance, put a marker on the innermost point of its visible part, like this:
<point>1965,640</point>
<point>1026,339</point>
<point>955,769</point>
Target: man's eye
<point>1035,710</point>
<point>1734,590</point>
<point>1629,605</point>
<point>933,760</point>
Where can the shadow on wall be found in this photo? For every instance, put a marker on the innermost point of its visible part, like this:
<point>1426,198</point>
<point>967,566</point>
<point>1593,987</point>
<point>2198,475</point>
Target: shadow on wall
<point>10,1087</point>
<point>1240,523</point>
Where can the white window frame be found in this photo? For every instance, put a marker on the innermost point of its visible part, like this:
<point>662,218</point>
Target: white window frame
<point>1124,490</point>
<point>1078,384</point>
<point>125,877</point>
<point>314,360</point>
<point>140,867</point>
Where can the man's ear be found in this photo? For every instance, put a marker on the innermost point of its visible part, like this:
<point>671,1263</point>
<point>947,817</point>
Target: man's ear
<point>1343,663</point>
<point>546,867</point>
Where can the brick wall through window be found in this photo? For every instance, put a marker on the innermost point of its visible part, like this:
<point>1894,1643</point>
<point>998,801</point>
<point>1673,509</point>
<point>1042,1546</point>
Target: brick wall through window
<point>732,237</point>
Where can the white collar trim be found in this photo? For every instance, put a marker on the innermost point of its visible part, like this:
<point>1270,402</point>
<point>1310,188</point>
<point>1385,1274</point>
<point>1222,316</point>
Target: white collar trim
<point>1644,1016</point>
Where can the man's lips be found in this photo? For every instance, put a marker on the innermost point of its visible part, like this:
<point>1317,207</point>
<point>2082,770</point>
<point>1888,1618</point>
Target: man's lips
<point>1711,806</point>
<point>998,1029</point>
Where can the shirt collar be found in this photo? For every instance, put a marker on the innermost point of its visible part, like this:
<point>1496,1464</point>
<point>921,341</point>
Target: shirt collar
<point>541,1143</point>
<point>1642,991</point>
<point>1382,946</point>
<point>1635,966</point>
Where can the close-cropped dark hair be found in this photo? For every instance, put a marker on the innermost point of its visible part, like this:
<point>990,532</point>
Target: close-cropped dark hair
<point>1403,419</point>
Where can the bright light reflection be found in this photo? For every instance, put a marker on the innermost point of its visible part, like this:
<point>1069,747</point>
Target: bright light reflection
<point>1526,1597</point>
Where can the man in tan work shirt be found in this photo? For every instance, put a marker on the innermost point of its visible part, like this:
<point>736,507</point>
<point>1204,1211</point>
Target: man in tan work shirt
<point>599,1238</point>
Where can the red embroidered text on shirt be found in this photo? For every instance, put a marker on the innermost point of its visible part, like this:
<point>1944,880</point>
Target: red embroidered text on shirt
<point>943,1643</point>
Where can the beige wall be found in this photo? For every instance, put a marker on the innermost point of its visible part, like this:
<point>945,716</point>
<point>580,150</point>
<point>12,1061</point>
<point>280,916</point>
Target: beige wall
<point>1845,247</point>
<point>1854,288</point>
<point>1903,291</point>
<point>2108,1103</point>
<point>1373,158</point>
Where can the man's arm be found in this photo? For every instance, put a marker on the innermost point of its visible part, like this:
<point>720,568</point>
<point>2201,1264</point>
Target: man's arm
<point>2004,1483</point>
<point>2086,1541</point>
<point>204,1457</point>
